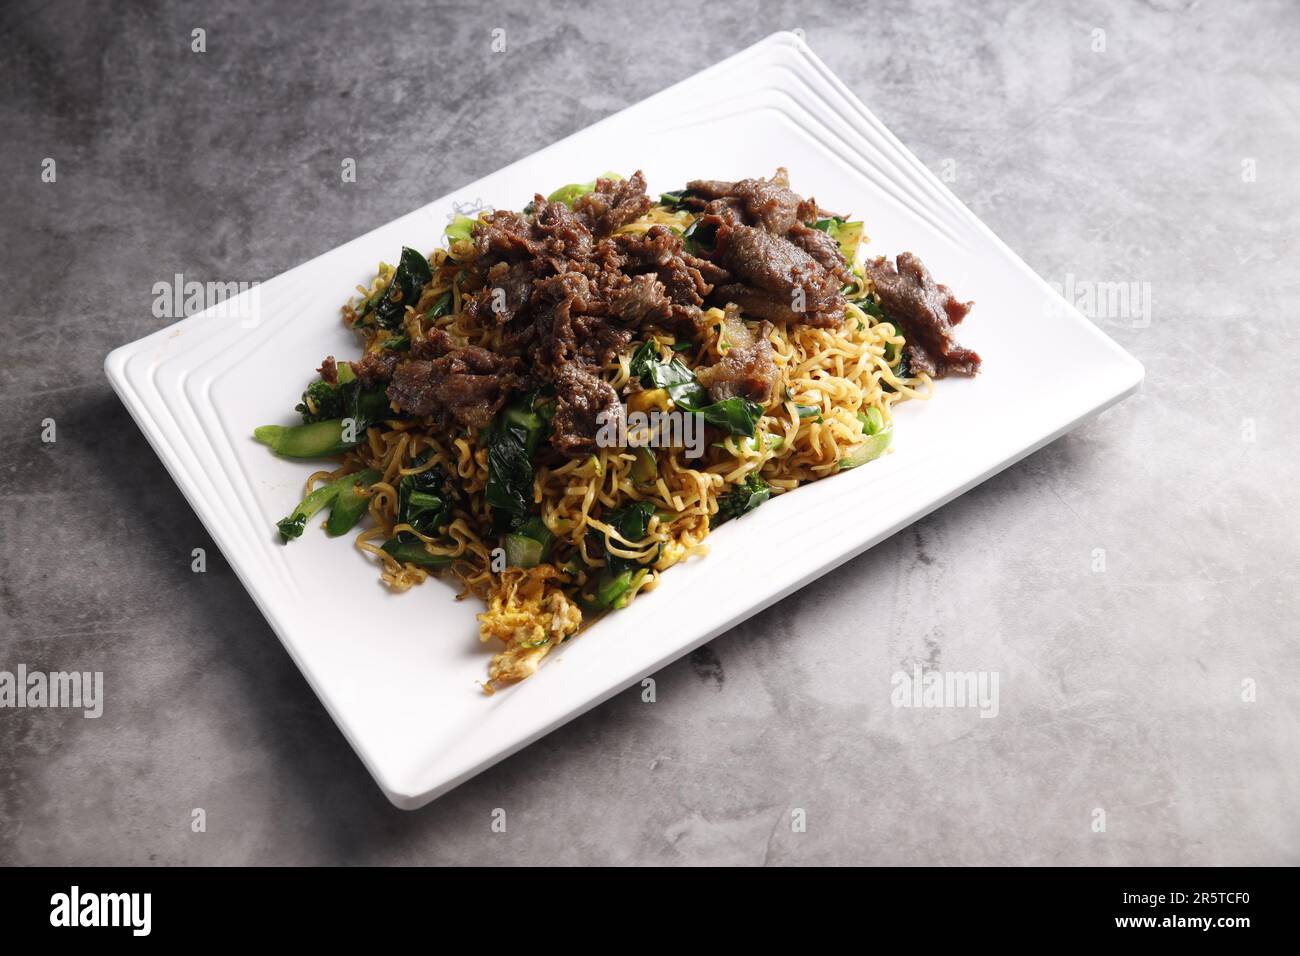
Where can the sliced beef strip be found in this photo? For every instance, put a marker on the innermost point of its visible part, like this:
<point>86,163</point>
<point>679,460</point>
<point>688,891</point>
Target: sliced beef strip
<point>642,299</point>
<point>768,203</point>
<point>469,382</point>
<point>613,203</point>
<point>926,313</point>
<point>776,267</point>
<point>329,371</point>
<point>681,273</point>
<point>711,189</point>
<point>563,335</point>
<point>764,305</point>
<point>823,247</point>
<point>729,209</point>
<point>651,249</point>
<point>506,294</point>
<point>684,283</point>
<point>711,272</point>
<point>564,232</point>
<point>435,344</point>
<point>575,286</point>
<point>598,340</point>
<point>376,368</point>
<point>582,398</point>
<point>506,235</point>
<point>746,368</point>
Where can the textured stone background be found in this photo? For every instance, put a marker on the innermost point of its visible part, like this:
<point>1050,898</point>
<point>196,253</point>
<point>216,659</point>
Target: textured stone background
<point>1121,689</point>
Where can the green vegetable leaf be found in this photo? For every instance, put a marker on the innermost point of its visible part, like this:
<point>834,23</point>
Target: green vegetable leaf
<point>700,236</point>
<point>645,358</point>
<point>411,550</point>
<point>426,500</point>
<point>613,590</point>
<point>675,200</point>
<point>847,234</point>
<point>461,228</point>
<point>809,411</point>
<point>512,442</point>
<point>292,526</point>
<point>870,306</point>
<point>315,440</point>
<point>631,523</point>
<point>412,274</point>
<point>737,415</point>
<point>349,504</point>
<point>878,432</point>
<point>742,499</point>
<point>441,306</point>
<point>620,576</point>
<point>567,194</point>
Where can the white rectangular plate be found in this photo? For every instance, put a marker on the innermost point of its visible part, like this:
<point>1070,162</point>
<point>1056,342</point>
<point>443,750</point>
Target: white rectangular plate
<point>399,673</point>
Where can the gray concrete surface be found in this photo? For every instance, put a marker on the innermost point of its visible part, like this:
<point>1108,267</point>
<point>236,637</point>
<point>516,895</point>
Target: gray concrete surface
<point>1122,689</point>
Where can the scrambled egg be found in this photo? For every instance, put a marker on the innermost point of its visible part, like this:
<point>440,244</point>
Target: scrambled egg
<point>530,615</point>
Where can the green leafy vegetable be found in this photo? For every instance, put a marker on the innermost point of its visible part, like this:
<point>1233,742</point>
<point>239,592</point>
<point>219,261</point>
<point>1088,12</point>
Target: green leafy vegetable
<point>426,499</point>
<point>441,306</point>
<point>878,434</point>
<point>737,415</point>
<point>411,550</point>
<point>349,504</point>
<point>316,440</point>
<point>614,591</point>
<point>847,234</point>
<point>630,522</point>
<point>870,306</point>
<point>330,400</point>
<point>522,551</point>
<point>567,194</point>
<point>644,358</point>
<point>460,229</point>
<point>700,236</point>
<point>809,411</point>
<point>320,437</point>
<point>347,399</point>
<point>873,422</point>
<point>645,468</point>
<point>529,544</point>
<point>412,274</point>
<point>675,200</point>
<point>292,526</point>
<point>512,442</point>
<point>742,499</point>
<point>614,585</point>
